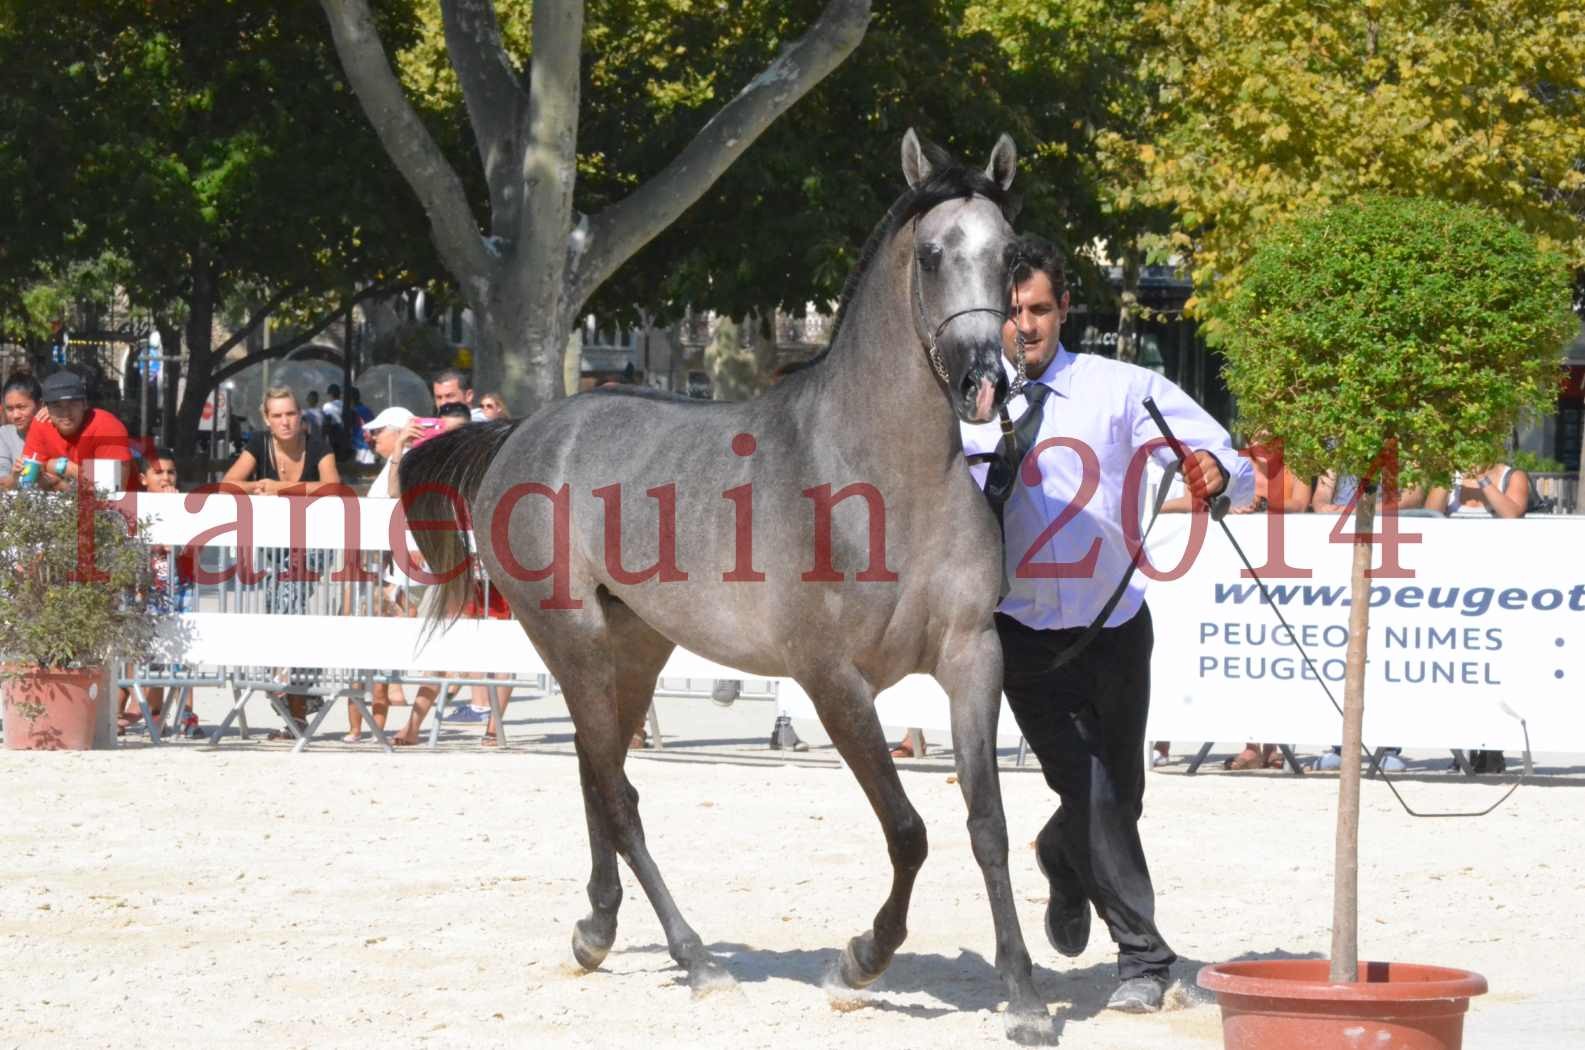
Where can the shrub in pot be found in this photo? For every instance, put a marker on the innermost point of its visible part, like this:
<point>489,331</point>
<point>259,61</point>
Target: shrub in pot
<point>1396,340</point>
<point>74,578</point>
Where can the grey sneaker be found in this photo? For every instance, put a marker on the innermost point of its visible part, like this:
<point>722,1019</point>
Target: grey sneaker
<point>725,691</point>
<point>1138,995</point>
<point>1392,763</point>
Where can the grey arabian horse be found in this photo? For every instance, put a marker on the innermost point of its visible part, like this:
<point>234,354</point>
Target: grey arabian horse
<point>827,531</point>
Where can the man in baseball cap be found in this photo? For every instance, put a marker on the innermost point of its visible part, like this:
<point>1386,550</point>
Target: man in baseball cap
<point>77,433</point>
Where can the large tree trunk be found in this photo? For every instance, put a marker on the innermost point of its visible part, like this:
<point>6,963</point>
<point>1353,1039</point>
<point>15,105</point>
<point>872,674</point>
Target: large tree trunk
<point>1345,887</point>
<point>529,279</point>
<point>179,426</point>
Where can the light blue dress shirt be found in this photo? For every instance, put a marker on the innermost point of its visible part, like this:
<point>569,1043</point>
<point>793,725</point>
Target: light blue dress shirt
<point>1062,576</point>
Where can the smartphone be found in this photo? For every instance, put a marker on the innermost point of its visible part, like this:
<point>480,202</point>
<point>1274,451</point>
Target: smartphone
<point>430,426</point>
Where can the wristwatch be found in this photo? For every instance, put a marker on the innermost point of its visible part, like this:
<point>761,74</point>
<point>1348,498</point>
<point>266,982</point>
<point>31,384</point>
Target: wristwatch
<point>1482,482</point>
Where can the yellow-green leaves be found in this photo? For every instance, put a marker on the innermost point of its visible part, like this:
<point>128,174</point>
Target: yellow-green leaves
<point>1265,109</point>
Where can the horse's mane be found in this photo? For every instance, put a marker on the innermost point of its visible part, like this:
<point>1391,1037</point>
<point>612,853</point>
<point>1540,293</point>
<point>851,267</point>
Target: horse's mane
<point>948,181</point>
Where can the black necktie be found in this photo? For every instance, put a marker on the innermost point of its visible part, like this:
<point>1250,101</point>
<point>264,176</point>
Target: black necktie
<point>1015,445</point>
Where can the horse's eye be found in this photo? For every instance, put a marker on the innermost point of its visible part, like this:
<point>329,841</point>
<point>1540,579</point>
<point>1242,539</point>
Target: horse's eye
<point>929,257</point>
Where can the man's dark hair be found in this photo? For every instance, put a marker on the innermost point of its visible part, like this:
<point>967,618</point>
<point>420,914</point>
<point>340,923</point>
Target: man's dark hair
<point>313,398</point>
<point>455,408</point>
<point>1032,253</point>
<point>25,382</point>
<point>353,397</point>
<point>333,391</point>
<point>163,453</point>
<point>452,375</point>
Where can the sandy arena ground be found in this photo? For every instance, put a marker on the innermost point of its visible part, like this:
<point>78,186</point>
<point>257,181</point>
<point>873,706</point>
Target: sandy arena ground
<point>248,897</point>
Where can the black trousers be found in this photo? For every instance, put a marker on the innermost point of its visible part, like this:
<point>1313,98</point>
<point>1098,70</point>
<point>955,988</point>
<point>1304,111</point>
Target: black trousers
<point>1086,723</point>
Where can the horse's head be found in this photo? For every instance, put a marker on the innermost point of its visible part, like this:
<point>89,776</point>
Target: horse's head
<point>963,245</point>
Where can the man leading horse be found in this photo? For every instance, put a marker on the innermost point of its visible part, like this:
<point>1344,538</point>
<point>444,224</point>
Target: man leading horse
<point>1076,633</point>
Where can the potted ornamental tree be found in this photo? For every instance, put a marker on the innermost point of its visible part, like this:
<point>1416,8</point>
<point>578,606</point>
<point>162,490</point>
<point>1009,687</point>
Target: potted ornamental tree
<point>74,583</point>
<point>1395,340</point>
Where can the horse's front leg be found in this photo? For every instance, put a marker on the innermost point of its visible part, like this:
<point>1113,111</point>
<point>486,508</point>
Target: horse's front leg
<point>845,703</point>
<point>971,673</point>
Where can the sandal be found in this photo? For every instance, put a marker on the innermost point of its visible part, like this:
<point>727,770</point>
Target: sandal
<point>350,739</point>
<point>1248,758</point>
<point>904,749</point>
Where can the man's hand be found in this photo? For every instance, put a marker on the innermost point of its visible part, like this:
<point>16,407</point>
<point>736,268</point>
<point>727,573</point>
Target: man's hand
<point>1203,476</point>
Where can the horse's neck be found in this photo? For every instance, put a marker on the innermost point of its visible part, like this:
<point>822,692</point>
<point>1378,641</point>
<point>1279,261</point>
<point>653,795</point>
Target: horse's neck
<point>878,387</point>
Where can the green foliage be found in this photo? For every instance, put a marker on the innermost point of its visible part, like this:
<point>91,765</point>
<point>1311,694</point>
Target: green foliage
<point>1263,110</point>
<point>1394,322</point>
<point>51,614</point>
<point>1533,463</point>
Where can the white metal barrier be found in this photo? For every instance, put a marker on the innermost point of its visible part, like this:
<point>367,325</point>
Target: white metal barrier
<point>1491,618</point>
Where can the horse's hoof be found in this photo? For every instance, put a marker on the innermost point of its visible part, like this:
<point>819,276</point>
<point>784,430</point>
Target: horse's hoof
<point>587,948</point>
<point>851,971</point>
<point>708,977</point>
<point>1031,1027</point>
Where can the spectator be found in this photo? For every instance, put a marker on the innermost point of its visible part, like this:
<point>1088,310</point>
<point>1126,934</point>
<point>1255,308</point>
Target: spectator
<point>74,432</point>
<point>1283,493</point>
<point>166,595</point>
<point>453,386</point>
<point>455,414</point>
<point>332,409</point>
<point>334,428</point>
<point>283,459</point>
<point>356,419</point>
<point>452,415</point>
<point>22,402</point>
<point>392,433</point>
<point>313,416</point>
<point>493,406</point>
<point>1498,491</point>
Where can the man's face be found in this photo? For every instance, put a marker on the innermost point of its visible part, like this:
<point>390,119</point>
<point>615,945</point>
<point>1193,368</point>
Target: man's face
<point>1036,312</point>
<point>69,416</point>
<point>449,391</point>
<point>20,409</point>
<point>160,476</point>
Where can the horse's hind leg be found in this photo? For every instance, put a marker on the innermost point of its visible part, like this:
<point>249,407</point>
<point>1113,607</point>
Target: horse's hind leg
<point>609,685</point>
<point>845,703</point>
<point>593,936</point>
<point>971,673</point>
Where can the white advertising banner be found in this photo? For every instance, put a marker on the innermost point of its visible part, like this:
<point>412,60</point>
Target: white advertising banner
<point>1484,617</point>
<point>1485,613</point>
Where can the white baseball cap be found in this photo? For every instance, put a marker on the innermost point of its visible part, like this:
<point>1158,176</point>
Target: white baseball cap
<point>396,416</point>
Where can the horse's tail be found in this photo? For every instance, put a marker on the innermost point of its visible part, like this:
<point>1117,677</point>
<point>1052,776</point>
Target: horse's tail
<point>439,481</point>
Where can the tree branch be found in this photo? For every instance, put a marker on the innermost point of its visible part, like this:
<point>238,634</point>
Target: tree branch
<point>625,227</point>
<point>301,339</point>
<point>407,141</point>
<point>257,319</point>
<point>495,101</point>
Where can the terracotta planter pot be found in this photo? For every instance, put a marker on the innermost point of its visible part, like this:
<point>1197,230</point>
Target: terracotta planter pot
<point>1286,1004</point>
<point>52,710</point>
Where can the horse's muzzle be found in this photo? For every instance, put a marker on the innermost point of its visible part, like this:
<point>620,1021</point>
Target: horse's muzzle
<point>983,390</point>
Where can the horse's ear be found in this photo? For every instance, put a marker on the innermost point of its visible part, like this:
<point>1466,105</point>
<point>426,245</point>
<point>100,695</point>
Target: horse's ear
<point>916,166</point>
<point>1004,162</point>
